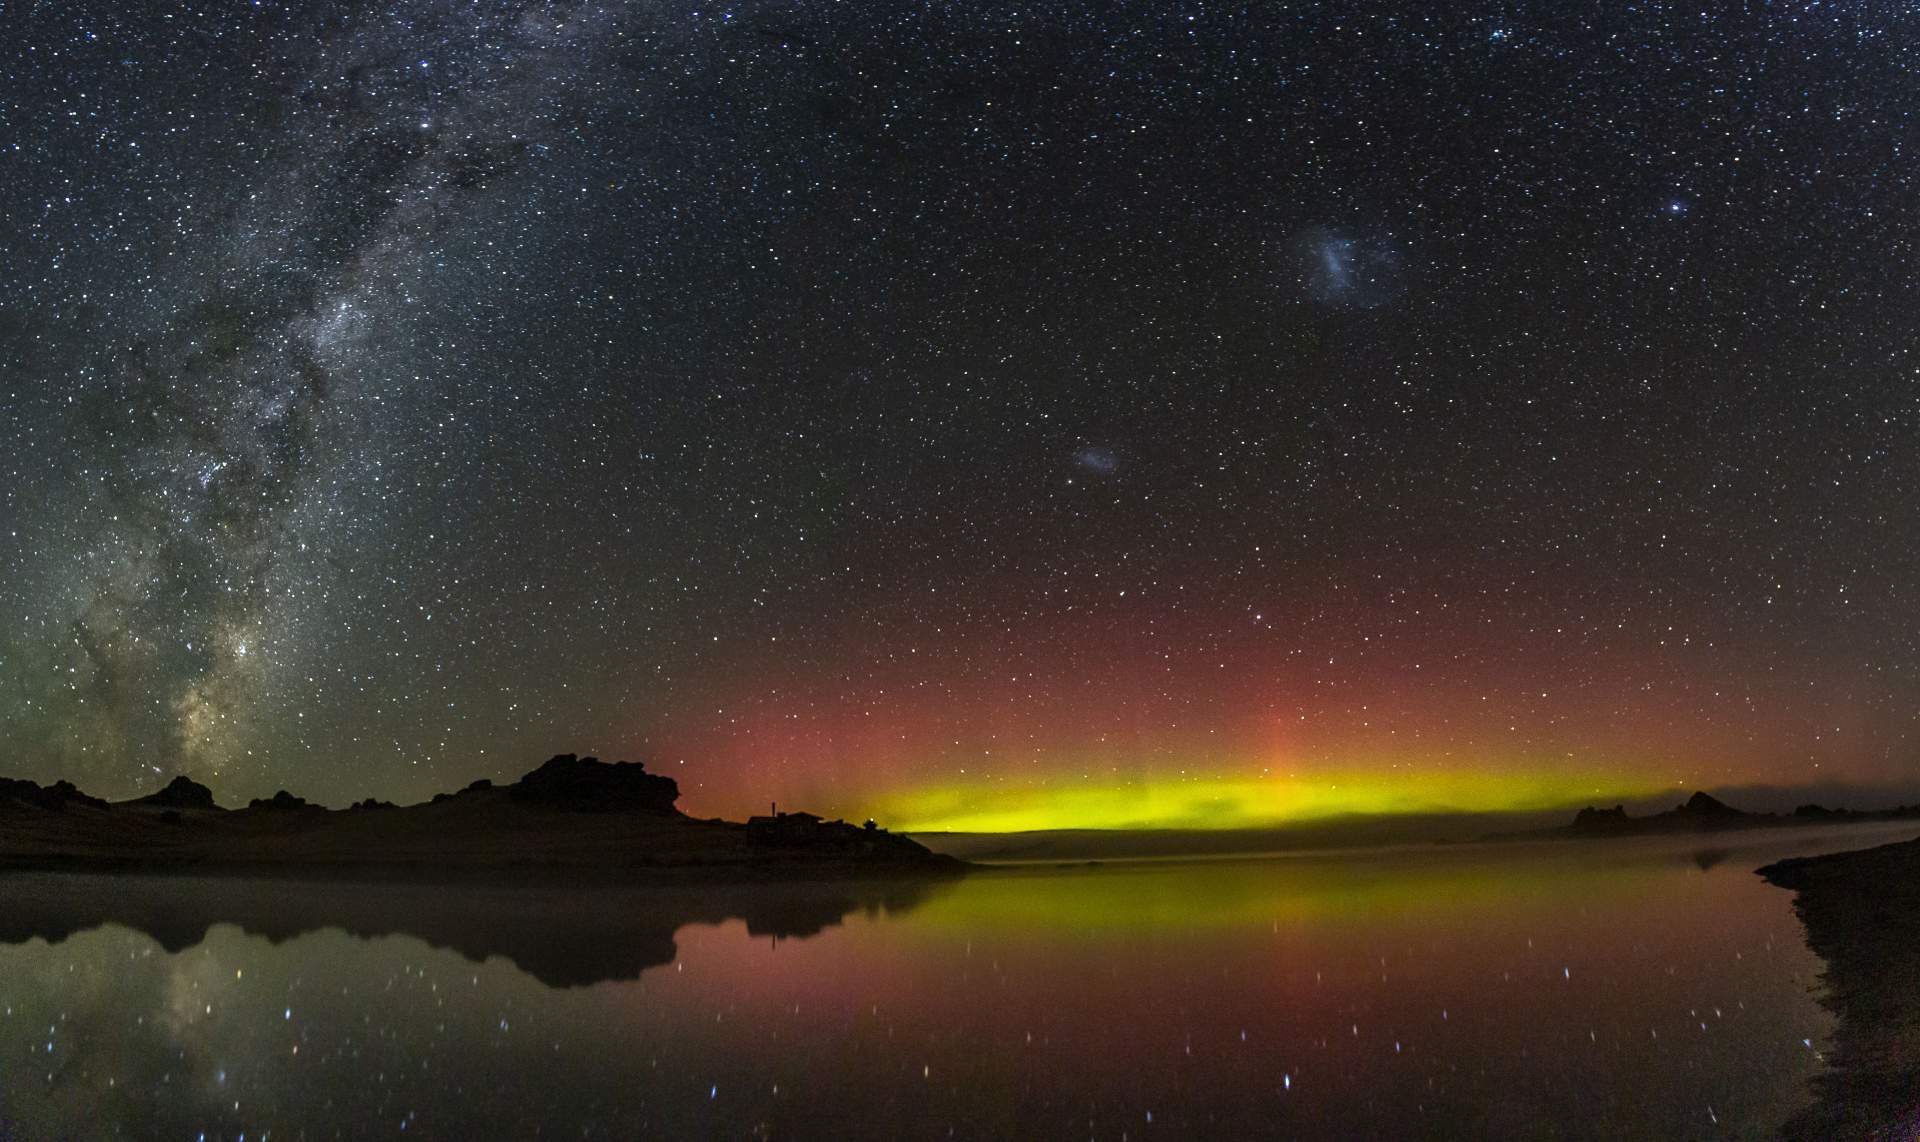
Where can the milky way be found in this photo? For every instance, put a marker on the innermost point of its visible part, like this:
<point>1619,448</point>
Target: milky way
<point>235,443</point>
<point>904,403</point>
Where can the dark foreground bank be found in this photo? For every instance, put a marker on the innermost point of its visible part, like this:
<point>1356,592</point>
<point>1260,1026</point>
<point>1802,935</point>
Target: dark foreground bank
<point>1862,915</point>
<point>573,819</point>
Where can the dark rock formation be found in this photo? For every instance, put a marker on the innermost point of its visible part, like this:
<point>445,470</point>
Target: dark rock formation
<point>572,820</point>
<point>1595,820</point>
<point>181,793</point>
<point>585,784</point>
<point>480,786</point>
<point>56,797</point>
<point>1701,813</point>
<point>282,802</point>
<point>1704,806</point>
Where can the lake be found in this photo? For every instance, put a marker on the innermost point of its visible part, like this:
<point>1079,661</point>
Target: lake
<point>1624,989</point>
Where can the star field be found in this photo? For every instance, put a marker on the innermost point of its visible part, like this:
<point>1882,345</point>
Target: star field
<point>873,406</point>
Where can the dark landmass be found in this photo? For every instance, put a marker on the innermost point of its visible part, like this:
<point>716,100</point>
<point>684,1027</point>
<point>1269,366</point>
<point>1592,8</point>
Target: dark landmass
<point>1861,911</point>
<point>1701,813</point>
<point>564,938</point>
<point>576,818</point>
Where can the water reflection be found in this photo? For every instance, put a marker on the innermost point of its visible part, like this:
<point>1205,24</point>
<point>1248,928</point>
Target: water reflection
<point>1707,858</point>
<point>1631,990</point>
<point>563,938</point>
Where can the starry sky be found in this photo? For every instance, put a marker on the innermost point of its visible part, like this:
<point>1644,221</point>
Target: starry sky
<point>975,415</point>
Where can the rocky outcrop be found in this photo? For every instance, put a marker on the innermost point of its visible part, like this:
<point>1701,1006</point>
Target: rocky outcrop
<point>573,820</point>
<point>56,797</point>
<point>588,785</point>
<point>181,793</point>
<point>1702,806</point>
<point>1700,813</point>
<point>1590,820</point>
<point>282,802</point>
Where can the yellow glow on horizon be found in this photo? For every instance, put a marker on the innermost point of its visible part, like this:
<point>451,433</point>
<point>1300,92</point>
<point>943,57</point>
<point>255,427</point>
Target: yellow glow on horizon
<point>1248,802</point>
<point>1438,887</point>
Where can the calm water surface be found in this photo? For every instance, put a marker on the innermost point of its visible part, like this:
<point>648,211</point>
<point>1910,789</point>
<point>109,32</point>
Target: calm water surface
<point>1621,990</point>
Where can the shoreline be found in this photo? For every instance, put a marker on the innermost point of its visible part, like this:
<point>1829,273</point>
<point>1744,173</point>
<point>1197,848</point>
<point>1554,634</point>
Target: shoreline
<point>1860,911</point>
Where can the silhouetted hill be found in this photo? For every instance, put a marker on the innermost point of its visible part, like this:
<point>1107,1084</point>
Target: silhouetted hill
<point>573,817</point>
<point>586,785</point>
<point>1701,806</point>
<point>1590,820</point>
<point>1700,813</point>
<point>181,793</point>
<point>56,797</point>
<point>282,802</point>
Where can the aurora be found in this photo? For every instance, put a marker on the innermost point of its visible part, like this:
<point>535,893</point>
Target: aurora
<point>1239,803</point>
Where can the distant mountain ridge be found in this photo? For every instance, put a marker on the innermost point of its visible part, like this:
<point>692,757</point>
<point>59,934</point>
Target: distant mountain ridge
<point>1702,813</point>
<point>574,817</point>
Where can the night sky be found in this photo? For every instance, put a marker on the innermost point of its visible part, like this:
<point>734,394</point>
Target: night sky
<point>972,415</point>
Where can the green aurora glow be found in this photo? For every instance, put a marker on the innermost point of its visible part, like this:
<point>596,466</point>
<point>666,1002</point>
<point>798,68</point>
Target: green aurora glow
<point>1243,803</point>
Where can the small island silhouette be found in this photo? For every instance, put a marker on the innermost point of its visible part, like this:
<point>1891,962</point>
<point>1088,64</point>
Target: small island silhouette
<point>573,817</point>
<point>1700,813</point>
